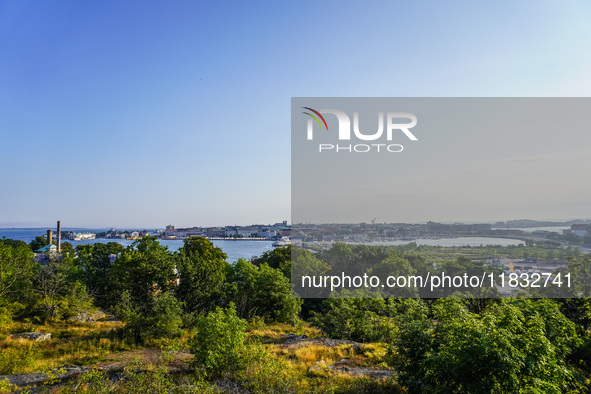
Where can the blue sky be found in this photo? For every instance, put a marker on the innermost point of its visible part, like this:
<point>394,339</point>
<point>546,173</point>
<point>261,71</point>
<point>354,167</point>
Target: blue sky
<point>147,113</point>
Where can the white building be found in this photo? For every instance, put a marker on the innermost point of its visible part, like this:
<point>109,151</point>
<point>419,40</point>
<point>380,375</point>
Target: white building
<point>81,236</point>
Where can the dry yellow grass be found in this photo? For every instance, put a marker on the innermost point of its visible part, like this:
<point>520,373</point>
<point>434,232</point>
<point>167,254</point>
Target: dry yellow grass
<point>313,353</point>
<point>275,333</point>
<point>94,345</point>
<point>303,354</point>
<point>71,343</point>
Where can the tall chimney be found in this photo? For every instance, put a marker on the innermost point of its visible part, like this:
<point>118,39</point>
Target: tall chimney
<point>48,237</point>
<point>59,236</point>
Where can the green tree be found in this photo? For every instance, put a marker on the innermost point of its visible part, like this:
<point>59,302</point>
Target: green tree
<point>160,318</point>
<point>465,266</point>
<point>143,269</point>
<point>241,286</point>
<point>67,247</point>
<point>17,268</point>
<point>572,238</point>
<point>96,265</point>
<point>306,263</point>
<point>518,347</point>
<point>580,269</point>
<point>367,257</point>
<point>262,291</point>
<point>201,272</point>
<point>273,296</point>
<point>278,258</point>
<point>61,293</point>
<point>38,243</point>
<point>358,319</point>
<point>13,242</point>
<point>17,272</point>
<point>578,310</point>
<point>341,258</point>
<point>395,265</point>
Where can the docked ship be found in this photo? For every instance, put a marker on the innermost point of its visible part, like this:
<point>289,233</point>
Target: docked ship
<point>283,241</point>
<point>81,236</point>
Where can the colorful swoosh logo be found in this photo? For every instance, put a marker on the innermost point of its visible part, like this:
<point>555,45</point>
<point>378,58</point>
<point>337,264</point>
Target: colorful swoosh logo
<point>315,118</point>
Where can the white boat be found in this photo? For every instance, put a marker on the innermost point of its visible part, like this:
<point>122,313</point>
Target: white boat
<point>282,242</point>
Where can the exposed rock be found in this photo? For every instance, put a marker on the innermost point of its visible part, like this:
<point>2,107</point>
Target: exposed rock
<point>336,342</point>
<point>33,336</point>
<point>35,378</point>
<point>317,367</point>
<point>291,337</point>
<point>82,317</point>
<point>345,366</point>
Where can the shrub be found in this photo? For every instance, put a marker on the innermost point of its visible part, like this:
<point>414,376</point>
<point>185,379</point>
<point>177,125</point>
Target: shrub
<point>17,359</point>
<point>219,342</point>
<point>5,316</point>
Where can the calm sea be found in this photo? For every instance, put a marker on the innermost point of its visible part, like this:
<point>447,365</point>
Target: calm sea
<point>234,249</point>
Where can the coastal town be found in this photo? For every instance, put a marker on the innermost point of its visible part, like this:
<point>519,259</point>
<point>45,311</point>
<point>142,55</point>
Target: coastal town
<point>576,232</point>
<point>275,232</point>
<point>279,233</point>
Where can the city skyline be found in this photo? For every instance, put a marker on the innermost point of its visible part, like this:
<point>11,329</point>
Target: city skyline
<point>558,222</point>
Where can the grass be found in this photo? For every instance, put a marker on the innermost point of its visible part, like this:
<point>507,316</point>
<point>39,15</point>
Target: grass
<point>275,333</point>
<point>71,343</point>
<point>296,358</point>
<point>274,366</point>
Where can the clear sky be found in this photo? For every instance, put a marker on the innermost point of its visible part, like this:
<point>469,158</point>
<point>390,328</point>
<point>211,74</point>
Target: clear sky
<point>147,113</point>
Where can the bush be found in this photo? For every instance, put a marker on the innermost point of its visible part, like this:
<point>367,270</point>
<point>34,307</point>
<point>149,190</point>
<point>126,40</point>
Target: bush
<point>17,359</point>
<point>5,316</point>
<point>218,344</point>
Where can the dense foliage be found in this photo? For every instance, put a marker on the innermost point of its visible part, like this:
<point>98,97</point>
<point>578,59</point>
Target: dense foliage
<point>157,292</point>
<point>518,347</point>
<point>219,342</point>
<point>466,343</point>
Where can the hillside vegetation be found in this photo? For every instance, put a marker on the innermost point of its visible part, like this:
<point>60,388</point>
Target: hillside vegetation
<point>155,321</point>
